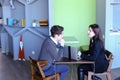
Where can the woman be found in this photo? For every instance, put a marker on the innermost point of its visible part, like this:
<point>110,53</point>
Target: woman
<point>95,53</point>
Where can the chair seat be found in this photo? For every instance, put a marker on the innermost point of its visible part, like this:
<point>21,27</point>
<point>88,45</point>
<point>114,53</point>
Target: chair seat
<point>106,73</point>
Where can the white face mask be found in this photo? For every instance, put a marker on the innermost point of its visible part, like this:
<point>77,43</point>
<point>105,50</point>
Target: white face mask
<point>91,33</point>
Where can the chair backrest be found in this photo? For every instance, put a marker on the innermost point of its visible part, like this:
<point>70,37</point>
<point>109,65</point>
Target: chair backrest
<point>34,68</point>
<point>40,64</point>
<point>110,58</point>
<point>37,65</point>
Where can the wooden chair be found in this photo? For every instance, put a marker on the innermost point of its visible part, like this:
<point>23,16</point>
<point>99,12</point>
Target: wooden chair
<point>108,72</point>
<point>33,66</point>
<point>37,65</point>
<point>43,63</point>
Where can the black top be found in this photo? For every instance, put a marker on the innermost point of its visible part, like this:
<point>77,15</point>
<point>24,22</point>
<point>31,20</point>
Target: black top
<point>96,53</point>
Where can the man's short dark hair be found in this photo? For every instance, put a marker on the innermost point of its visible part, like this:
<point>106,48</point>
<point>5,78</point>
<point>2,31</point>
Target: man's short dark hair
<point>56,29</point>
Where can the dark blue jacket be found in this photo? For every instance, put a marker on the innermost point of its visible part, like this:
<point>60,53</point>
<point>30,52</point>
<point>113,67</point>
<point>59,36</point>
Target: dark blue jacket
<point>96,53</point>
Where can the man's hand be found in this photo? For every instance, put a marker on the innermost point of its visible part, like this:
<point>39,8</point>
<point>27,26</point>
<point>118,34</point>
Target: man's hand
<point>62,41</point>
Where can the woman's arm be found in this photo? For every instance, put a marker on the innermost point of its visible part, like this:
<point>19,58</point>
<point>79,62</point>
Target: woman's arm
<point>96,50</point>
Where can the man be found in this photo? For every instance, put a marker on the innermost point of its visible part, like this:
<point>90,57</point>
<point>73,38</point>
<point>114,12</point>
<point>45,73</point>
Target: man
<point>52,50</point>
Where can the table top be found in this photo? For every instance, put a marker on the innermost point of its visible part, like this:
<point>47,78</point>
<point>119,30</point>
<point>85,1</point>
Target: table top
<point>72,61</point>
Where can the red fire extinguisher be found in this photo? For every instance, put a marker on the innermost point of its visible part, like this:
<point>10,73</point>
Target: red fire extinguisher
<point>21,50</point>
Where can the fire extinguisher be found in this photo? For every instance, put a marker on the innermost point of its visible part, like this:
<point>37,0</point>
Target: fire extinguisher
<point>21,50</point>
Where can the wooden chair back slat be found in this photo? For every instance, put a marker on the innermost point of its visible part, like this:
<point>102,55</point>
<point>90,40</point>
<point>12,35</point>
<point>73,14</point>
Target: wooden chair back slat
<point>37,65</point>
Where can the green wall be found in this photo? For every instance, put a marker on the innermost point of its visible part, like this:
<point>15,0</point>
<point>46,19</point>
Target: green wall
<point>75,16</point>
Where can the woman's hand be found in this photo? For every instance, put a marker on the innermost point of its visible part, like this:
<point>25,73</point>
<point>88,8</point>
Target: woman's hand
<point>79,53</point>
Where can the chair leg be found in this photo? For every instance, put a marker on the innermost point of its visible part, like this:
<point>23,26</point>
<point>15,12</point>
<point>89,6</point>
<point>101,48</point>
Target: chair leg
<point>32,78</point>
<point>90,75</point>
<point>108,76</point>
<point>58,76</point>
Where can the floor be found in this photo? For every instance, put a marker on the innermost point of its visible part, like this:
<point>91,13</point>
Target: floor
<point>13,70</point>
<point>20,70</point>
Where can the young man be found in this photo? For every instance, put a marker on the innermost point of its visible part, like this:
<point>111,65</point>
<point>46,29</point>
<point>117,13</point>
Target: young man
<point>52,50</point>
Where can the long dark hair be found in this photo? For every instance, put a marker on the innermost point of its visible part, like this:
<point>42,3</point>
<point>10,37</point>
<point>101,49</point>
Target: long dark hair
<point>98,35</point>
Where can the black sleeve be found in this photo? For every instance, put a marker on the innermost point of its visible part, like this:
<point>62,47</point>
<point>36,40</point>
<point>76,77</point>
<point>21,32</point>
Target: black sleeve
<point>95,52</point>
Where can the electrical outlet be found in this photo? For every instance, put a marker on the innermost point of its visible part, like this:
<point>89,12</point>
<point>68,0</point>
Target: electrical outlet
<point>33,52</point>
